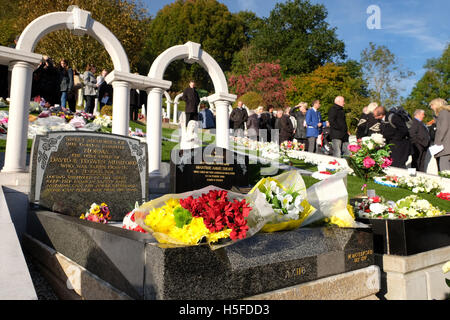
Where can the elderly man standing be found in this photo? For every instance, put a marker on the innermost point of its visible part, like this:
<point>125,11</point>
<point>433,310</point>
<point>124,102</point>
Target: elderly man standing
<point>192,99</point>
<point>420,140</point>
<point>339,131</point>
<point>239,117</point>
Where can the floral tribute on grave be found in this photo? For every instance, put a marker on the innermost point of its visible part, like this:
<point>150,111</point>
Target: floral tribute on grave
<point>325,171</point>
<point>412,207</point>
<point>369,157</point>
<point>210,216</point>
<point>287,196</point>
<point>409,226</point>
<point>97,213</point>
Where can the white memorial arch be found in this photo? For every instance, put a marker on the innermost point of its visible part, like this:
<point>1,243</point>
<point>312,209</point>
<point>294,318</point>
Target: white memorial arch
<point>23,61</point>
<point>191,53</point>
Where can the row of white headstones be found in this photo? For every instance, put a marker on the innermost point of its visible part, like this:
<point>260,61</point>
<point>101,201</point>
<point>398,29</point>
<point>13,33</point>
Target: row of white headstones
<point>22,62</point>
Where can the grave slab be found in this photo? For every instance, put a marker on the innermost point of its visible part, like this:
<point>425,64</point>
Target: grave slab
<point>262,263</point>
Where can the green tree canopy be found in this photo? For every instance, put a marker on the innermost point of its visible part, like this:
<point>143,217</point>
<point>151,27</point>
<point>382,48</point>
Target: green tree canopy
<point>435,83</point>
<point>297,35</point>
<point>126,19</point>
<point>325,84</point>
<point>8,29</point>
<point>207,22</point>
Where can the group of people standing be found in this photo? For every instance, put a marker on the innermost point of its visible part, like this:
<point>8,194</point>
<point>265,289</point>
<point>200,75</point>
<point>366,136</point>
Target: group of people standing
<point>300,123</point>
<point>60,85</point>
<point>407,136</point>
<point>410,136</point>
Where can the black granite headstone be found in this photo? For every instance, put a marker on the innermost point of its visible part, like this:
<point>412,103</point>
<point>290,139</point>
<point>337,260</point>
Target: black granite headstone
<point>72,170</point>
<point>198,168</point>
<point>409,236</point>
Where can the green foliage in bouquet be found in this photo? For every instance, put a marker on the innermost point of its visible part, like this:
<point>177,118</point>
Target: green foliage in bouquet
<point>182,217</point>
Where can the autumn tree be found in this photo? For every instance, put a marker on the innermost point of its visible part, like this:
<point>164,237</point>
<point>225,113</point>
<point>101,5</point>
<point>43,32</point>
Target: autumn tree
<point>325,84</point>
<point>126,19</point>
<point>8,15</point>
<point>265,79</point>
<point>207,22</point>
<point>383,73</point>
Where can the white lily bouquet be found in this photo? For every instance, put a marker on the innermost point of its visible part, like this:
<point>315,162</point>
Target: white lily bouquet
<point>287,196</point>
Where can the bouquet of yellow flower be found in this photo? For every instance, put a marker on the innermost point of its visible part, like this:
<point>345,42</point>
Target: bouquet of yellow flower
<point>211,215</point>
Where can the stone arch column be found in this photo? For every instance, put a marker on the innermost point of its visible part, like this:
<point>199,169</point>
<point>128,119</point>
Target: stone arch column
<point>23,62</point>
<point>191,53</point>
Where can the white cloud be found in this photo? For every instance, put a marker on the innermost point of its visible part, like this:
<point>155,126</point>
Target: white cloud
<point>418,30</point>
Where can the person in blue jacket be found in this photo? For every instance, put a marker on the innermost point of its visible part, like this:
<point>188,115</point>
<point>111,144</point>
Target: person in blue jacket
<point>207,117</point>
<point>314,126</point>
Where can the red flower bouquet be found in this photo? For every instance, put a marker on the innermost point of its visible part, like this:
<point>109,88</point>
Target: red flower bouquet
<point>444,196</point>
<point>220,214</point>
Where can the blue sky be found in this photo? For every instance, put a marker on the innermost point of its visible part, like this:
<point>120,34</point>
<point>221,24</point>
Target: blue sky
<point>414,30</point>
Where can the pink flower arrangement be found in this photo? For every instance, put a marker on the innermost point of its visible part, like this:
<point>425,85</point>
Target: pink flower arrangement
<point>369,157</point>
<point>387,163</point>
<point>354,148</point>
<point>369,162</point>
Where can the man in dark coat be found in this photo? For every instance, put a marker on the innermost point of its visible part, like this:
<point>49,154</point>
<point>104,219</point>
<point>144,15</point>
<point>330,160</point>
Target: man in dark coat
<point>192,99</point>
<point>266,124</point>
<point>134,105</point>
<point>285,126</point>
<point>253,124</point>
<point>395,131</point>
<point>339,130</point>
<point>299,113</point>
<point>239,117</point>
<point>420,140</point>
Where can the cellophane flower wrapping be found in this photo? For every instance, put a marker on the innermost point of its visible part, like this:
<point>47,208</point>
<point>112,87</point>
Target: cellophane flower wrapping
<point>286,194</point>
<point>257,218</point>
<point>330,198</point>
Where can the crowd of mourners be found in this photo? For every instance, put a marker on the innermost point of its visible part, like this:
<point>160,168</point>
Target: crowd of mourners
<point>408,136</point>
<point>60,84</point>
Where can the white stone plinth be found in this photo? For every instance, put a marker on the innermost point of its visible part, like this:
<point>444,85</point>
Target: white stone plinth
<point>416,277</point>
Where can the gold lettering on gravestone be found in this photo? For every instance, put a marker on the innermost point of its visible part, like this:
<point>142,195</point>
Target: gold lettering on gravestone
<point>97,168</point>
<point>295,272</point>
<point>359,256</point>
<point>214,172</point>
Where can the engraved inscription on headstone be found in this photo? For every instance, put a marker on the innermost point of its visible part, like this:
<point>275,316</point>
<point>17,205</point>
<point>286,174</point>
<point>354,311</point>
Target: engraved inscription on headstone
<point>72,170</point>
<point>211,166</point>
